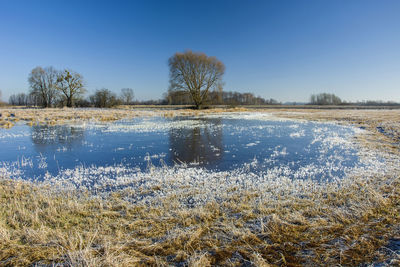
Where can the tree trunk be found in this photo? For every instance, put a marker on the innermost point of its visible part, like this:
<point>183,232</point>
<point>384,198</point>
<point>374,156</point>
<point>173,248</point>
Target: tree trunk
<point>69,102</point>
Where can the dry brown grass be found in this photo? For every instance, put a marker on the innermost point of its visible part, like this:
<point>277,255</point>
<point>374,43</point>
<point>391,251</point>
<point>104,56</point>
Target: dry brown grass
<point>323,227</point>
<point>343,227</point>
<point>52,116</point>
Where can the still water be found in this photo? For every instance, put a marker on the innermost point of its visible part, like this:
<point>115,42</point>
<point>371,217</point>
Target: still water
<point>217,143</point>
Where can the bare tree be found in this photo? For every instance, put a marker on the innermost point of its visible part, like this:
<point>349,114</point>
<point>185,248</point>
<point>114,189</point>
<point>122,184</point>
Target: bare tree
<point>71,85</point>
<point>127,96</point>
<point>195,73</point>
<point>43,85</point>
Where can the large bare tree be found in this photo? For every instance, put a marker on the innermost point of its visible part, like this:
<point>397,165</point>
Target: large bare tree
<point>71,85</point>
<point>43,85</point>
<point>195,73</point>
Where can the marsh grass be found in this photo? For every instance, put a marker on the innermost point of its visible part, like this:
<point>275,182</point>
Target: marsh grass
<point>52,116</point>
<point>345,226</point>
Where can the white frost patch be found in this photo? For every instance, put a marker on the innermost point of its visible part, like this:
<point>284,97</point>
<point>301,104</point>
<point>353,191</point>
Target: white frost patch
<point>251,144</point>
<point>203,185</point>
<point>298,134</point>
<point>146,126</point>
<point>262,116</point>
<point>5,134</point>
<point>279,152</point>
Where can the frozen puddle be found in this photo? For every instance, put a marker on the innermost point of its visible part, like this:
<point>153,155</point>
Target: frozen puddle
<point>244,149</point>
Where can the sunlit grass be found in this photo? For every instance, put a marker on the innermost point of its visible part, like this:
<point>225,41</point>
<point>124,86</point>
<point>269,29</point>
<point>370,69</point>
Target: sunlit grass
<point>331,226</point>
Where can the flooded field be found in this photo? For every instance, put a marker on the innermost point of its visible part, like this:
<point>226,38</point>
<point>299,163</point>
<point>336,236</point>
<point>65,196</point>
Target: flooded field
<point>254,143</point>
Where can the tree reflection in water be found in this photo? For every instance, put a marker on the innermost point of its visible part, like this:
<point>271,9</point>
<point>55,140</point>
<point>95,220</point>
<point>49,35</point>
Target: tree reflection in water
<point>46,135</point>
<point>202,145</point>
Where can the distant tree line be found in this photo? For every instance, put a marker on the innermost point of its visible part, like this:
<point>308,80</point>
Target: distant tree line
<point>23,99</point>
<point>218,98</point>
<point>331,99</point>
<point>374,103</point>
<point>236,98</point>
<point>325,99</point>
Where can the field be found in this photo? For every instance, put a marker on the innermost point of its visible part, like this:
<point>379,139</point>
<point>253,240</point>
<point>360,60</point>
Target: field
<point>353,221</point>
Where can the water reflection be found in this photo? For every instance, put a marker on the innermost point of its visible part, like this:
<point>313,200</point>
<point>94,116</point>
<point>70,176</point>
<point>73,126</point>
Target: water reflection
<point>200,145</point>
<point>293,149</point>
<point>45,135</point>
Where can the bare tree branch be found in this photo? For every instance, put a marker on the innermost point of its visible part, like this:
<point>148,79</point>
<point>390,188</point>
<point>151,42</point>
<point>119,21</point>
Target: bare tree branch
<point>195,73</point>
<point>71,85</point>
<point>43,85</point>
<point>127,96</point>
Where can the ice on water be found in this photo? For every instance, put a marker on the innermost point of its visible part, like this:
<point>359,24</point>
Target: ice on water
<point>208,153</point>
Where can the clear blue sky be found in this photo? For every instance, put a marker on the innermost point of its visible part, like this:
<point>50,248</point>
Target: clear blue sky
<point>286,50</point>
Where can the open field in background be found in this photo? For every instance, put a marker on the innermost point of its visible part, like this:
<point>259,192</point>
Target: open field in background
<point>354,222</point>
